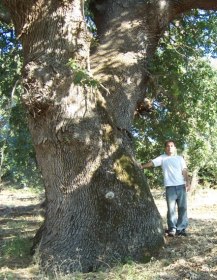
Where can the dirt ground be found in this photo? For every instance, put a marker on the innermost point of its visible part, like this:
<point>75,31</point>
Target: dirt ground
<point>191,257</point>
<point>194,256</point>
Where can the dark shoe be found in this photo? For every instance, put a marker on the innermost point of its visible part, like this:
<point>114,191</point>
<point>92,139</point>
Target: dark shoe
<point>181,233</point>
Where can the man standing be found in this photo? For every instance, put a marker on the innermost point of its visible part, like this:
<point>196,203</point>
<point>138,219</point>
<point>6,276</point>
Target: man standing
<point>176,183</point>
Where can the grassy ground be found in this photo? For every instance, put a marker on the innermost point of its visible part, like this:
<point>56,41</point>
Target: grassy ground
<point>192,257</point>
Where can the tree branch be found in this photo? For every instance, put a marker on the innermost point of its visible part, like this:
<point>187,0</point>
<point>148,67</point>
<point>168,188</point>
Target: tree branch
<point>182,6</point>
<point>4,15</point>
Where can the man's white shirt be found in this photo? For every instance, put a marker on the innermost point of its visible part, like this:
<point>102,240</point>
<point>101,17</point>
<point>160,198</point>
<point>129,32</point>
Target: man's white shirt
<point>172,167</point>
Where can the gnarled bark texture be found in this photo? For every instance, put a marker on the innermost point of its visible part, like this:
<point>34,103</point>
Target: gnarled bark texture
<point>99,207</point>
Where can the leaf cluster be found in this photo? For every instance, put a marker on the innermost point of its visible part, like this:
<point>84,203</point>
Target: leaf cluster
<point>81,75</point>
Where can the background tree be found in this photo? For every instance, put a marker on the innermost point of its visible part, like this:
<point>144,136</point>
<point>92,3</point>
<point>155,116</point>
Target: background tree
<point>182,93</point>
<point>99,207</point>
<point>17,157</point>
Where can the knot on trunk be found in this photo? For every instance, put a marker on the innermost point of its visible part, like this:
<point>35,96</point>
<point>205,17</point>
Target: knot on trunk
<point>144,107</point>
<point>42,81</point>
<point>110,195</point>
<point>37,104</point>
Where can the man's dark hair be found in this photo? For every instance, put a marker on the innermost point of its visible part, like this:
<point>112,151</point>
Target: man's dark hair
<point>169,141</point>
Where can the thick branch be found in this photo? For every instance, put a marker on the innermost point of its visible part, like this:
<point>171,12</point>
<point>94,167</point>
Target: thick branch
<point>4,15</point>
<point>182,6</point>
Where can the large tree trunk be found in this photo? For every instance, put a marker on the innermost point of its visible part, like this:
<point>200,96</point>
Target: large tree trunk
<point>99,207</point>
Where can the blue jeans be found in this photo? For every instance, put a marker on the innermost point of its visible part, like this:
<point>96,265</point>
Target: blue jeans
<point>176,195</point>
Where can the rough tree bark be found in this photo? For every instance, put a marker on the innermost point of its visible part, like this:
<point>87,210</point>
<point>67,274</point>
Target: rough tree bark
<point>99,207</point>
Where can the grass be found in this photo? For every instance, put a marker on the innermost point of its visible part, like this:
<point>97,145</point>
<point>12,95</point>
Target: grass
<point>194,257</point>
<point>132,271</point>
<point>17,247</point>
<point>19,219</point>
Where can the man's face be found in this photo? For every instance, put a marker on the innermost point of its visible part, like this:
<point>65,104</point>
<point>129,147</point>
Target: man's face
<point>170,149</point>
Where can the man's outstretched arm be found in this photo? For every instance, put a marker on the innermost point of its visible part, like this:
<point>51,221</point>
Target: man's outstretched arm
<point>147,165</point>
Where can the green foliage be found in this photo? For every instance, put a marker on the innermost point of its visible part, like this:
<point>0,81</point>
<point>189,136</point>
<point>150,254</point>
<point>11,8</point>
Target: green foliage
<point>16,151</point>
<point>81,75</point>
<point>183,91</point>
<point>20,158</point>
